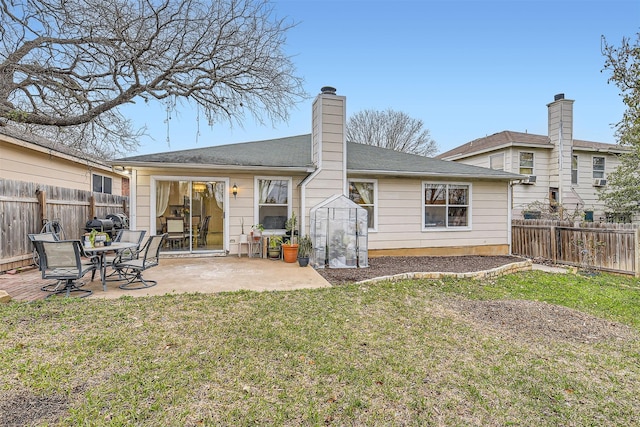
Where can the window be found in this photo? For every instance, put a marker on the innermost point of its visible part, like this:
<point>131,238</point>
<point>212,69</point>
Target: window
<point>574,169</point>
<point>364,194</point>
<point>101,184</point>
<point>273,195</point>
<point>496,161</point>
<point>526,163</point>
<point>598,167</point>
<point>446,205</point>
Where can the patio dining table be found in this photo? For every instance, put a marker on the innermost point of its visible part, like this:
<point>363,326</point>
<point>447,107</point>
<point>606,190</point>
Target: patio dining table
<point>102,252</point>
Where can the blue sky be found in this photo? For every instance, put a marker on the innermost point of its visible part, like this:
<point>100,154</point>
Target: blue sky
<point>467,69</point>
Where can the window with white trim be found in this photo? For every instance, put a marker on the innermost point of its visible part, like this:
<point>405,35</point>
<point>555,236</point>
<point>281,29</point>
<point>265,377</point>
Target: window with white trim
<point>598,167</point>
<point>102,184</point>
<point>574,169</point>
<point>526,163</point>
<point>273,199</point>
<point>364,193</point>
<point>446,205</point>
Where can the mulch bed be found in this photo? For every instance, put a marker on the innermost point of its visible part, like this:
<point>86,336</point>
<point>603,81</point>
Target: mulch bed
<point>390,265</point>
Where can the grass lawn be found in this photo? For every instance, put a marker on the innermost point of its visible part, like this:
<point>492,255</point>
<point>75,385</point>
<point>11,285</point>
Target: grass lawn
<point>399,353</point>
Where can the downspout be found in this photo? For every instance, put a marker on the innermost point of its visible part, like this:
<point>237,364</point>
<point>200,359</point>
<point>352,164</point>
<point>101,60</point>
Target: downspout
<point>133,205</point>
<point>510,215</point>
<point>303,199</point>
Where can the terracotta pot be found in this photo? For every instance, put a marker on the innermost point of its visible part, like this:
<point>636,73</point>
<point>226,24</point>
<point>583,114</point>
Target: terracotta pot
<point>290,253</point>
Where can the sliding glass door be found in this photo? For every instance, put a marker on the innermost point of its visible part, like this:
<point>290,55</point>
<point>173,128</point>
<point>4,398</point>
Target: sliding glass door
<point>192,212</point>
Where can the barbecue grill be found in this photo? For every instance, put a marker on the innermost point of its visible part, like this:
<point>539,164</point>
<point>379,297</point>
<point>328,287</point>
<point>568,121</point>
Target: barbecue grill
<point>120,220</point>
<point>103,225</point>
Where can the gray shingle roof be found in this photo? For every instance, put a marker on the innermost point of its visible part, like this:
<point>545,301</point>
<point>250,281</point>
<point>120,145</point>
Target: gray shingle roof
<point>295,152</point>
<point>510,138</point>
<point>291,152</point>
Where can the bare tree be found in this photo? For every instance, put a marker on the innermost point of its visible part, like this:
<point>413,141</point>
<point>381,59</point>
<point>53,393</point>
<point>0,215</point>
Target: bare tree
<point>391,129</point>
<point>70,64</point>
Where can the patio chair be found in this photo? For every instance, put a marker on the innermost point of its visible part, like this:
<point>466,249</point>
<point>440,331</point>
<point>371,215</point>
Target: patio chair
<point>204,230</point>
<point>129,236</point>
<point>131,270</point>
<point>66,262</point>
<point>175,232</point>
<point>41,237</point>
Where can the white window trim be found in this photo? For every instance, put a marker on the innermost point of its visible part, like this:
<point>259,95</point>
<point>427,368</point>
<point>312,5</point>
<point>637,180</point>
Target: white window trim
<point>256,195</point>
<point>225,213</point>
<point>533,166</point>
<point>375,199</point>
<point>447,228</point>
<point>577,169</point>
<point>604,170</point>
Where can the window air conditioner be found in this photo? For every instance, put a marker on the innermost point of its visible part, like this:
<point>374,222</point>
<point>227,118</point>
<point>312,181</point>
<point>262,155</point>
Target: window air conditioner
<point>599,182</point>
<point>531,179</point>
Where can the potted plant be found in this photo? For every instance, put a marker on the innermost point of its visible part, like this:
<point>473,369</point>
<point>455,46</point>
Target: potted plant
<point>256,230</point>
<point>273,251</point>
<point>243,237</point>
<point>304,250</point>
<point>290,249</point>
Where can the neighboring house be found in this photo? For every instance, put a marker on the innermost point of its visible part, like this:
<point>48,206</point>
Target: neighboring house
<point>416,205</point>
<point>560,170</point>
<point>29,158</point>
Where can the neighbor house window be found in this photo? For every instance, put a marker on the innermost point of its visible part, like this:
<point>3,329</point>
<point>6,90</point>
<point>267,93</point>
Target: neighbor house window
<point>101,184</point>
<point>274,198</point>
<point>364,194</point>
<point>598,167</point>
<point>574,169</point>
<point>446,205</point>
<point>496,161</point>
<point>526,163</point>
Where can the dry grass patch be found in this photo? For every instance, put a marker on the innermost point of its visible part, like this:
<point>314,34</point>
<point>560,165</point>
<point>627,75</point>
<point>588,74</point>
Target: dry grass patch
<point>408,353</point>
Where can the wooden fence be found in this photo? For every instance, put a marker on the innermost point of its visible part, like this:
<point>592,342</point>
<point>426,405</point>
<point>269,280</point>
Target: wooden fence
<point>604,246</point>
<point>24,206</point>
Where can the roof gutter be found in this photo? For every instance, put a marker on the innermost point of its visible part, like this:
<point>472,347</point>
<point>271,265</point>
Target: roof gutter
<point>305,169</point>
<point>506,177</point>
<point>494,148</point>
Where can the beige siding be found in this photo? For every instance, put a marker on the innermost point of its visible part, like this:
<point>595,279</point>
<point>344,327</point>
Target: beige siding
<point>242,207</point>
<point>400,217</point>
<point>27,162</point>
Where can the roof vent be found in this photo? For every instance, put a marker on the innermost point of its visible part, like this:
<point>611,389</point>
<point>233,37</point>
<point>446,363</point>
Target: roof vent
<point>558,97</point>
<point>328,90</point>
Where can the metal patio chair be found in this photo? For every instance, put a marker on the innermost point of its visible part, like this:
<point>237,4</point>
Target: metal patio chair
<point>66,262</point>
<point>129,236</point>
<point>131,270</point>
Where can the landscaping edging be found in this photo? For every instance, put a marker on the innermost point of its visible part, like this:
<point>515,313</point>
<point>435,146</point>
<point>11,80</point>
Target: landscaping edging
<point>485,274</point>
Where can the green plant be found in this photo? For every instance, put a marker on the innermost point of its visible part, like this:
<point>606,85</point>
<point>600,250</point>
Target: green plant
<point>305,246</point>
<point>257,227</point>
<point>275,241</point>
<point>290,225</point>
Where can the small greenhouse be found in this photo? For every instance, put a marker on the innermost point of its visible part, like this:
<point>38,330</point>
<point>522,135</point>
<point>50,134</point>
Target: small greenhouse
<point>339,234</point>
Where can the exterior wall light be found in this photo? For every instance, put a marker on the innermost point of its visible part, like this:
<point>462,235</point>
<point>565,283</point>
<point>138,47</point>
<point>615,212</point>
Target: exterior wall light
<point>235,190</point>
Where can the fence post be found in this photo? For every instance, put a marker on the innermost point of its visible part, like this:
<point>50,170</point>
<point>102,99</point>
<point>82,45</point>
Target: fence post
<point>636,248</point>
<point>92,207</point>
<point>554,244</point>
<point>42,202</point>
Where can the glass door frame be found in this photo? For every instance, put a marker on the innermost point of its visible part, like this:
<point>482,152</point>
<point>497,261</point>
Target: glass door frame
<point>191,179</point>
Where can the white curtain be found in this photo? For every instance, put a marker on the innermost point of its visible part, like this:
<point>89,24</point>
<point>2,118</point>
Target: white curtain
<point>162,197</point>
<point>218,193</point>
<point>365,190</point>
<point>264,187</point>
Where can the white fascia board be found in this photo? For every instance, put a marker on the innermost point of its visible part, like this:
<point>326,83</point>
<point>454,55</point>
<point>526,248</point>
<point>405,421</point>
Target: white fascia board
<point>496,148</point>
<point>156,165</point>
<point>371,173</point>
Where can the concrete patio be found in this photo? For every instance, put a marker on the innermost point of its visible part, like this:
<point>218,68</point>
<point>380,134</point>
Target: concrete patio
<point>181,275</point>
